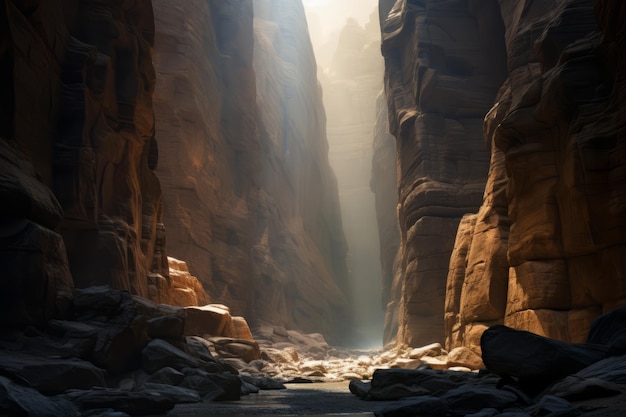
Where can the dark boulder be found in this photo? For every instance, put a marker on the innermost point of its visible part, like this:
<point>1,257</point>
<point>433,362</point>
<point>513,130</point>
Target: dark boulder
<point>535,360</point>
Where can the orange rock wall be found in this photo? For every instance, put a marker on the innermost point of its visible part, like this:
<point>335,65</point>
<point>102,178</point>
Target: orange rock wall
<point>77,120</point>
<point>250,201</point>
<point>546,251</point>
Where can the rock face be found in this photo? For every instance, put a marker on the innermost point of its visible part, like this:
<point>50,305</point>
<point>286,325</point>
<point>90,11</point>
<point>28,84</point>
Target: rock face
<point>383,183</point>
<point>545,252</point>
<point>250,200</point>
<point>81,203</point>
<point>444,62</point>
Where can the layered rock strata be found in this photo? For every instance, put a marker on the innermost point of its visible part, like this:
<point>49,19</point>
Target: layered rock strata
<point>250,199</point>
<point>444,62</point>
<point>81,203</point>
<point>383,184</point>
<point>546,250</point>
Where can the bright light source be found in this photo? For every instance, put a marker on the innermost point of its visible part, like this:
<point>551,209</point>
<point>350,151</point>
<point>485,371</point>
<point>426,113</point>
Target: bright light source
<point>315,3</point>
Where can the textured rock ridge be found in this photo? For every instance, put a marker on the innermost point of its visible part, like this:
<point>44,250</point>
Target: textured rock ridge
<point>546,250</point>
<point>444,62</point>
<point>81,203</point>
<point>301,251</point>
<point>205,112</point>
<point>383,183</point>
<point>250,200</point>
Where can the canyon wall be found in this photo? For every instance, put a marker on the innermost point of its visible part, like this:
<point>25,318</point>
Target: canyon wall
<point>249,194</point>
<point>250,200</point>
<point>546,251</point>
<point>444,62</point>
<point>81,203</point>
<point>383,183</point>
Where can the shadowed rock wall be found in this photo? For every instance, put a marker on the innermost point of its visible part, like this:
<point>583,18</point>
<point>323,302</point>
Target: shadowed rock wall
<point>546,250</point>
<point>383,183</point>
<point>78,153</point>
<point>250,200</point>
<point>444,61</point>
<point>206,125</point>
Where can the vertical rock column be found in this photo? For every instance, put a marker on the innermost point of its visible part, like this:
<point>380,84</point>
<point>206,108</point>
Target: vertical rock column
<point>250,200</point>
<point>547,253</point>
<point>77,153</point>
<point>444,63</point>
<point>206,124</point>
<point>105,151</point>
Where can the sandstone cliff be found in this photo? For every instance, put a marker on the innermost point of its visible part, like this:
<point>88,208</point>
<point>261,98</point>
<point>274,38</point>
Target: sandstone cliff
<point>383,183</point>
<point>546,250</point>
<point>444,62</point>
<point>78,153</point>
<point>250,200</point>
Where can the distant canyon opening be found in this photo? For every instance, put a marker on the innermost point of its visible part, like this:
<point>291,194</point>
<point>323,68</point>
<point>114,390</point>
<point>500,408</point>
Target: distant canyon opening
<point>346,41</point>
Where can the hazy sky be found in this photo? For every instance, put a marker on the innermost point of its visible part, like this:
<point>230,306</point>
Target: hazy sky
<point>336,12</point>
<point>326,18</point>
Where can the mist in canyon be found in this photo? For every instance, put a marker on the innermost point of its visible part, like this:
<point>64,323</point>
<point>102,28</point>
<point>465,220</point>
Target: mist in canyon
<point>346,40</point>
<point>208,198</point>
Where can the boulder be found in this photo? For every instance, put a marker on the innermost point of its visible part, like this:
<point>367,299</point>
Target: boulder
<point>175,394</point>
<point>575,388</point>
<point>439,362</point>
<point>288,355</point>
<point>169,376</point>
<point>535,359</point>
<point>131,402</point>
<point>209,319</point>
<point>390,384</point>
<point>159,354</point>
<point>51,375</point>
<point>229,385</point>
<point>610,330</point>
<point>241,329</point>
<point>201,348</point>
<point>61,338</point>
<point>166,327</point>
<point>206,388</point>
<point>184,289</point>
<point>18,400</point>
<point>465,357</point>
<point>434,349</point>
<point>245,350</point>
<point>469,398</point>
<point>263,383</point>
<point>122,331</point>
<point>35,284</point>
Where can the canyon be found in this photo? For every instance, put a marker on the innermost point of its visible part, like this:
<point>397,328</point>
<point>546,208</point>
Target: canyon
<point>172,229</point>
<point>541,173</point>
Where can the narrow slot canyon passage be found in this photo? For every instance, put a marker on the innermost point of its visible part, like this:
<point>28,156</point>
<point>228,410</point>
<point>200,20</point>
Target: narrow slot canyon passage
<point>399,208</point>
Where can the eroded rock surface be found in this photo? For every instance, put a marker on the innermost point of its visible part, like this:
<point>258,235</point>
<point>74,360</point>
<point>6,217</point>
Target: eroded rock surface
<point>444,62</point>
<point>525,375</point>
<point>124,353</point>
<point>77,120</point>
<point>545,252</point>
<point>250,200</point>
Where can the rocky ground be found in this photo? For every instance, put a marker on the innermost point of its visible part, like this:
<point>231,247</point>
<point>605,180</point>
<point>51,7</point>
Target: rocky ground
<point>115,355</point>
